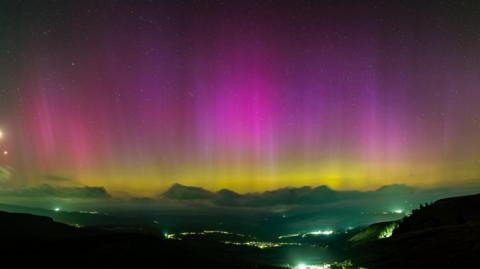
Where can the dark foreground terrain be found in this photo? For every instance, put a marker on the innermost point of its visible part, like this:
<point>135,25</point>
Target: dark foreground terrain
<point>445,234</point>
<point>27,238</point>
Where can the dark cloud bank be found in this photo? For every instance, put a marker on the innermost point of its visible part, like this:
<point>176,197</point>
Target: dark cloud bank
<point>321,195</point>
<point>49,191</point>
<point>301,197</point>
<point>290,209</point>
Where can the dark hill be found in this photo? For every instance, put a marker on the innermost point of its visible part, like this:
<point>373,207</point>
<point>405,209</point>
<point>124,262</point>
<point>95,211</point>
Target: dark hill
<point>25,226</point>
<point>445,234</point>
<point>27,238</point>
<point>446,212</point>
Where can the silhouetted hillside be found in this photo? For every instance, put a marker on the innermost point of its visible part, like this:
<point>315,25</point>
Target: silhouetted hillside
<point>27,238</point>
<point>446,212</point>
<point>445,234</point>
<point>26,226</point>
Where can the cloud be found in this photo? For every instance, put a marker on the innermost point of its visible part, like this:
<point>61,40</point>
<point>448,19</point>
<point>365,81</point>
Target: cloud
<point>307,196</point>
<point>181,192</point>
<point>284,196</point>
<point>293,209</point>
<point>56,192</point>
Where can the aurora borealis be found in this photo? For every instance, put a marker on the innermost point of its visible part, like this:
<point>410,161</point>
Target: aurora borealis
<point>246,95</point>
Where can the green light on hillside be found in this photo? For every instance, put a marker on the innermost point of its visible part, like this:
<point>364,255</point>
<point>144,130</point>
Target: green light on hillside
<point>388,231</point>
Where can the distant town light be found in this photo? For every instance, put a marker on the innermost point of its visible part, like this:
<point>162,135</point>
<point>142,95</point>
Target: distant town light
<point>321,232</point>
<point>56,209</point>
<point>288,236</point>
<point>398,211</point>
<point>307,266</point>
<point>302,266</point>
<point>169,236</point>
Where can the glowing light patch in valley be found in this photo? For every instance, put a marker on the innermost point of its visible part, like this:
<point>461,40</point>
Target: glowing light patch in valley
<point>241,242</point>
<point>321,232</point>
<point>90,212</point>
<point>261,245</point>
<point>221,232</point>
<point>342,264</point>
<point>315,233</point>
<point>57,209</point>
<point>288,236</point>
<point>179,236</point>
<point>170,236</point>
<point>308,266</point>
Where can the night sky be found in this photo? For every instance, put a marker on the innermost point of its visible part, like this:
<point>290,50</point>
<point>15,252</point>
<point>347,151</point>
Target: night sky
<point>246,95</point>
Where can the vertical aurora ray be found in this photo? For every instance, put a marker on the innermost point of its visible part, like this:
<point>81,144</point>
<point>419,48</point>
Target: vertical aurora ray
<point>248,96</point>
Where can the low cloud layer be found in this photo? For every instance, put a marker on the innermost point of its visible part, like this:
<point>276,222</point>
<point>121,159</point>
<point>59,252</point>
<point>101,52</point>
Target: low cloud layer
<point>181,192</point>
<point>49,191</point>
<point>281,211</point>
<point>306,196</point>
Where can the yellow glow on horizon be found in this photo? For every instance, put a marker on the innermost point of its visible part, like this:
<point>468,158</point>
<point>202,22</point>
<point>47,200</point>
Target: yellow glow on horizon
<point>256,175</point>
<point>152,180</point>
